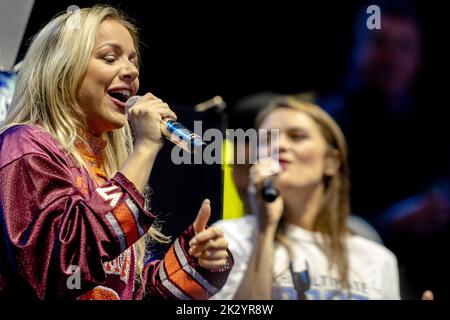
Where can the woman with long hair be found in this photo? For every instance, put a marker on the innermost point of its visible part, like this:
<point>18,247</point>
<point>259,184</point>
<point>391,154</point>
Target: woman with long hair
<point>73,177</point>
<point>298,246</point>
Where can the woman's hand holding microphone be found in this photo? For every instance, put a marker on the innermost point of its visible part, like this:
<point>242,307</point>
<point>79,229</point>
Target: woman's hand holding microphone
<point>267,213</point>
<point>208,245</point>
<point>145,117</point>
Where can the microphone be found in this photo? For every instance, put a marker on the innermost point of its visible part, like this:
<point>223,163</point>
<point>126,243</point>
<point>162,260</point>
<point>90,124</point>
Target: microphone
<point>271,168</point>
<point>216,102</point>
<point>268,192</point>
<point>175,132</point>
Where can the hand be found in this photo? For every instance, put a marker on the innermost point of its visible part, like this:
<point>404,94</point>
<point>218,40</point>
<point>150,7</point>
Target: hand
<point>268,214</point>
<point>145,117</point>
<point>428,295</point>
<point>209,246</point>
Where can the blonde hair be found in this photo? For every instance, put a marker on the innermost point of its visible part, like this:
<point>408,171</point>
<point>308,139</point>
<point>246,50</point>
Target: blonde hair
<point>47,86</point>
<point>335,207</point>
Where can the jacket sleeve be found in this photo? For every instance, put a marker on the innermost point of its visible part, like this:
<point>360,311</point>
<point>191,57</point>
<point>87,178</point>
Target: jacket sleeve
<point>179,275</point>
<point>51,229</point>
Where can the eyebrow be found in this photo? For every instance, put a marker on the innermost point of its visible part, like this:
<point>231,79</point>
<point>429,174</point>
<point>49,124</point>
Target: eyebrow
<point>291,129</point>
<point>296,129</point>
<point>116,46</point>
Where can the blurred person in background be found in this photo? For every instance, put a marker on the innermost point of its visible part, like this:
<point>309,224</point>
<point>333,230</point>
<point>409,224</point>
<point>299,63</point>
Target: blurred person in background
<point>300,246</point>
<point>395,131</point>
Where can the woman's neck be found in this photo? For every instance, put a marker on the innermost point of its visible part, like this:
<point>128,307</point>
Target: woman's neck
<point>301,207</point>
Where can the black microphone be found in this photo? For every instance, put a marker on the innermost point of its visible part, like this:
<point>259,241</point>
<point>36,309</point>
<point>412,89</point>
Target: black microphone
<point>268,192</point>
<point>175,131</point>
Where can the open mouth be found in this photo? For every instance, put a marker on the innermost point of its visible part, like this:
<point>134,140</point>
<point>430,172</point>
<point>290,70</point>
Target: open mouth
<point>121,95</point>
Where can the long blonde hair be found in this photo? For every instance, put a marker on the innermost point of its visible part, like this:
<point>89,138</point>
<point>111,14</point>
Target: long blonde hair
<point>335,207</point>
<point>47,85</point>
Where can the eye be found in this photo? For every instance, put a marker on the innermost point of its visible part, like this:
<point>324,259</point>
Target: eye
<point>109,58</point>
<point>135,62</point>
<point>298,136</point>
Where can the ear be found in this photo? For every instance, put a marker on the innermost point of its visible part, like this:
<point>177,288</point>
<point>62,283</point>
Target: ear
<point>332,163</point>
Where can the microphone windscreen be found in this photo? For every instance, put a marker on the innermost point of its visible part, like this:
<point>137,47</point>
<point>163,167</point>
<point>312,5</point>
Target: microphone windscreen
<point>131,101</point>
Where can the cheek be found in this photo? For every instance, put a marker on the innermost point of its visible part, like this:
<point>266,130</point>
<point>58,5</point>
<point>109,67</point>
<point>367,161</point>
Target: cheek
<point>308,164</point>
<point>310,155</point>
<point>136,84</point>
<point>84,96</point>
<point>99,77</point>
<point>91,97</point>
<point>101,82</point>
<point>92,87</point>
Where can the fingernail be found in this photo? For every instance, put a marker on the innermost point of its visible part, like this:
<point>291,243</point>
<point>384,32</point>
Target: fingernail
<point>206,201</point>
<point>193,242</point>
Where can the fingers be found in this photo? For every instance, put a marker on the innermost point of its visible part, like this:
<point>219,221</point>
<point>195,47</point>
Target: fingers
<point>206,235</point>
<point>210,247</point>
<point>267,213</point>
<point>210,254</point>
<point>211,258</point>
<point>150,103</point>
<point>213,245</point>
<point>428,295</point>
<point>145,118</point>
<point>202,217</point>
<point>213,264</point>
<point>262,170</point>
<point>214,254</point>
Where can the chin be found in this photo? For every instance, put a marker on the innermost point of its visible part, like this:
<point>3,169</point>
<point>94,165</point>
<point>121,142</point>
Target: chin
<point>119,125</point>
<point>110,127</point>
<point>292,183</point>
<point>118,122</point>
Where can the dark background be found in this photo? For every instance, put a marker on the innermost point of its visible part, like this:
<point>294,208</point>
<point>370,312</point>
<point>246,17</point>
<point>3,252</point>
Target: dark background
<point>193,51</point>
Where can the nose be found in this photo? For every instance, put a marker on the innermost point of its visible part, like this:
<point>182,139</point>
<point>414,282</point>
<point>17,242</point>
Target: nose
<point>283,142</point>
<point>129,72</point>
<point>277,143</point>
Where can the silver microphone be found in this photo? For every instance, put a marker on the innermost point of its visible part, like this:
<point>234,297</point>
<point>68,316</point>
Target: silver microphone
<point>175,132</point>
